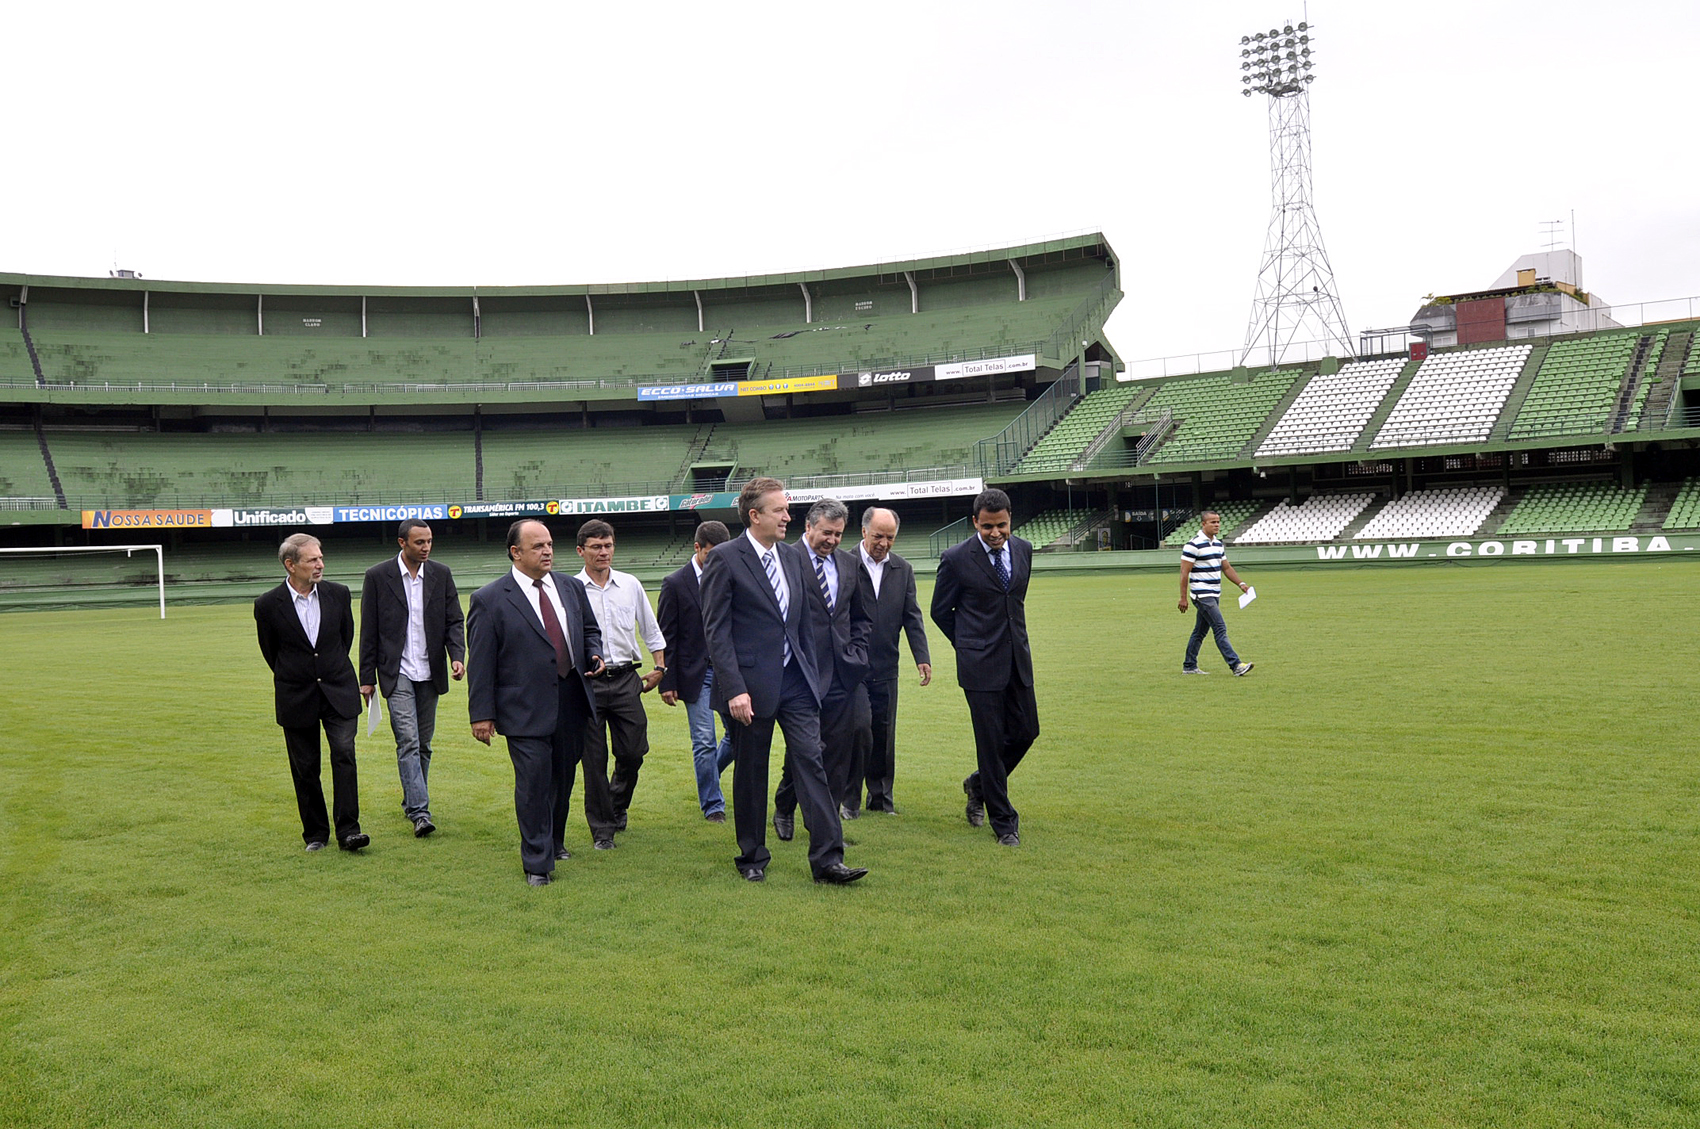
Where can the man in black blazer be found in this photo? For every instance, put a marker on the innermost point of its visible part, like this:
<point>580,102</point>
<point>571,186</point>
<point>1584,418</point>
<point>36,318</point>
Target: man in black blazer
<point>689,678</point>
<point>979,602</point>
<point>411,643</point>
<point>840,602</point>
<point>762,646</point>
<point>306,626</point>
<point>896,613</point>
<point>534,645</point>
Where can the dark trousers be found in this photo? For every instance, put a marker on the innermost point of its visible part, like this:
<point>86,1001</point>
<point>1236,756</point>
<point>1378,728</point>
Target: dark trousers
<point>543,780</point>
<point>799,720</point>
<point>881,764</point>
<point>844,750</point>
<point>303,746</point>
<point>620,721</point>
<point>1006,723</point>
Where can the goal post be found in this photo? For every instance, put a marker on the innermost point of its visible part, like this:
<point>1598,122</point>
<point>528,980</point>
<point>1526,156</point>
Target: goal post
<point>128,550</point>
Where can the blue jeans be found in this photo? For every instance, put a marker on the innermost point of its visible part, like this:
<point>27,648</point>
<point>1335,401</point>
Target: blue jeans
<point>1209,619</point>
<point>413,720</point>
<point>710,760</point>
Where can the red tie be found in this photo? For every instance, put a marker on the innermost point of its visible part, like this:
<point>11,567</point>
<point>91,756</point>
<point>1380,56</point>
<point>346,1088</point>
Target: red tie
<point>552,625</point>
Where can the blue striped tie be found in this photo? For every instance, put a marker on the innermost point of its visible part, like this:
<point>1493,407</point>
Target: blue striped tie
<point>998,566</point>
<point>772,567</point>
<point>825,588</point>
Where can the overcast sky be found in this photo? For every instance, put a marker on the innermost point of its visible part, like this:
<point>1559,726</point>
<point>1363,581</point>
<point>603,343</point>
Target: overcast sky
<point>505,144</point>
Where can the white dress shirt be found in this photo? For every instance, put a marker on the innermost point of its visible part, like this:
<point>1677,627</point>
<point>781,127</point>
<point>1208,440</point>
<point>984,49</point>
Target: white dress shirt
<point>876,569</point>
<point>778,566</point>
<point>415,662</point>
<point>622,612</point>
<point>307,611</point>
<point>525,585</point>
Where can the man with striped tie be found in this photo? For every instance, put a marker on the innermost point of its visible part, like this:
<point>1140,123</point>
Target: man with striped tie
<point>761,644</point>
<point>841,602</point>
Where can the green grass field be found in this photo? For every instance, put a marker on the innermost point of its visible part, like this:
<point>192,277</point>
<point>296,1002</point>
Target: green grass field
<point>1433,863</point>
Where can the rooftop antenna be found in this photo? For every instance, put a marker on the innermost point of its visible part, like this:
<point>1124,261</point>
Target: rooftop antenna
<point>1553,232</point>
<point>1295,284</point>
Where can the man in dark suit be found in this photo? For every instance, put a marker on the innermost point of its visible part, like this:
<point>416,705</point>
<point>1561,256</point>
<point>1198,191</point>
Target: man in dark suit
<point>979,602</point>
<point>411,643</point>
<point>306,626</point>
<point>762,647</point>
<point>896,613</point>
<point>689,677</point>
<point>534,646</point>
<point>840,602</point>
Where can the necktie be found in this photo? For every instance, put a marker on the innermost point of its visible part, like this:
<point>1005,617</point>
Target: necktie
<point>825,588</point>
<point>998,565</point>
<point>552,625</point>
<point>772,566</point>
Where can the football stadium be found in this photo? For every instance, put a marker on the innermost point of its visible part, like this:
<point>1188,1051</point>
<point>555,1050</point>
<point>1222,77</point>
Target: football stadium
<point>1433,863</point>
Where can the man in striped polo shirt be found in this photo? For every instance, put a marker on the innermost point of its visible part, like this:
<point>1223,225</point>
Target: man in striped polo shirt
<point>1203,562</point>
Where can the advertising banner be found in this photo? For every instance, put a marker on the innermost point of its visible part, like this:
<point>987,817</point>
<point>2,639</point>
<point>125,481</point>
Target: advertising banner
<point>147,519</point>
<point>893,491</point>
<point>655,503</point>
<point>919,374</point>
<point>992,366</point>
<point>298,515</point>
<point>429,512</point>
<point>504,509</point>
<point>1555,547</point>
<point>709,500</point>
<point>688,391</point>
<point>788,384</point>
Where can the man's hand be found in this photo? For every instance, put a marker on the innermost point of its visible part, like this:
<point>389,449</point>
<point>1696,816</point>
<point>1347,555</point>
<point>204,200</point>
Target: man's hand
<point>926,670</point>
<point>367,692</point>
<point>651,681</point>
<point>741,710</point>
<point>483,731</point>
<point>671,697</point>
<point>457,670</point>
<point>596,671</point>
<point>1182,604</point>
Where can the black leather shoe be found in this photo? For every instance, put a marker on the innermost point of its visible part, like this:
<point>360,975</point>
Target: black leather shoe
<point>604,844</point>
<point>355,841</point>
<point>562,854</point>
<point>423,827</point>
<point>1009,839</point>
<point>976,807</point>
<point>848,812</point>
<point>840,875</point>
<point>315,844</point>
<point>784,826</point>
<point>537,879</point>
<point>753,873</point>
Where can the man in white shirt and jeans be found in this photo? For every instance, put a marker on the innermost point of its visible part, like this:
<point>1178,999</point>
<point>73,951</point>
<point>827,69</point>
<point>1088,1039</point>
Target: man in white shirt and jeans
<point>1204,560</point>
<point>622,612</point>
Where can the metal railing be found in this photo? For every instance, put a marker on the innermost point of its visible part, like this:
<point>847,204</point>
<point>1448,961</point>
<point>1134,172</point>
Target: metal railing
<point>955,533</point>
<point>1002,451</point>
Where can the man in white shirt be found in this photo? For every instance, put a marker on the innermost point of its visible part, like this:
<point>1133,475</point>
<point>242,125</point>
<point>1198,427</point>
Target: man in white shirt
<point>411,643</point>
<point>622,613</point>
<point>896,613</point>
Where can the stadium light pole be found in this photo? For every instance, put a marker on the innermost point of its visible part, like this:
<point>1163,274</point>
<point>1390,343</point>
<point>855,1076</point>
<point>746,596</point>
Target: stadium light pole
<point>1295,283</point>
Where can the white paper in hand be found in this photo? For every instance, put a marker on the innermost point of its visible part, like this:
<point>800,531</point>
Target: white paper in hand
<point>1246,597</point>
<point>372,711</point>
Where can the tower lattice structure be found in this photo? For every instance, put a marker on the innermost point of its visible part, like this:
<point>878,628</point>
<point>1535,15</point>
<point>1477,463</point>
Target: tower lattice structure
<point>1296,298</point>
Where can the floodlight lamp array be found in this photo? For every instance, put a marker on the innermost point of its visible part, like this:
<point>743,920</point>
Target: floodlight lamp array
<point>1276,62</point>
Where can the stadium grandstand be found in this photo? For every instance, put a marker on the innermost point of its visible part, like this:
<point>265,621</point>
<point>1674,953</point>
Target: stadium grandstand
<point>207,416</point>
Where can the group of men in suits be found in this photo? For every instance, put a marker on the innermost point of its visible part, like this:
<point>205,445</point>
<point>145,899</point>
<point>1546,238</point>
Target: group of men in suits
<point>803,637</point>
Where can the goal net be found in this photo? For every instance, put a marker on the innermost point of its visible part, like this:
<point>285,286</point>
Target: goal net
<point>82,576</point>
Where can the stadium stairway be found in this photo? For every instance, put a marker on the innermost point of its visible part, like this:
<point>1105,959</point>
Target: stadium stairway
<point>1631,383</point>
<point>1275,415</point>
<point>1520,390</point>
<point>1496,516</point>
<point>1666,379</point>
<point>1352,527</point>
<point>1655,507</point>
<point>47,458</point>
<point>1372,426</point>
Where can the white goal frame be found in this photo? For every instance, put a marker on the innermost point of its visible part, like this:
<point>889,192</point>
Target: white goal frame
<point>128,550</point>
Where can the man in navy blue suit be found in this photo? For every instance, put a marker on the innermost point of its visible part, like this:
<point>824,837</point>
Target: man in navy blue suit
<point>534,645</point>
<point>980,603</point>
<point>762,647</point>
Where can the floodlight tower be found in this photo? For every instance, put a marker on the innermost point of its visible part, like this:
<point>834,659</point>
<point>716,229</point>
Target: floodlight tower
<point>1295,284</point>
